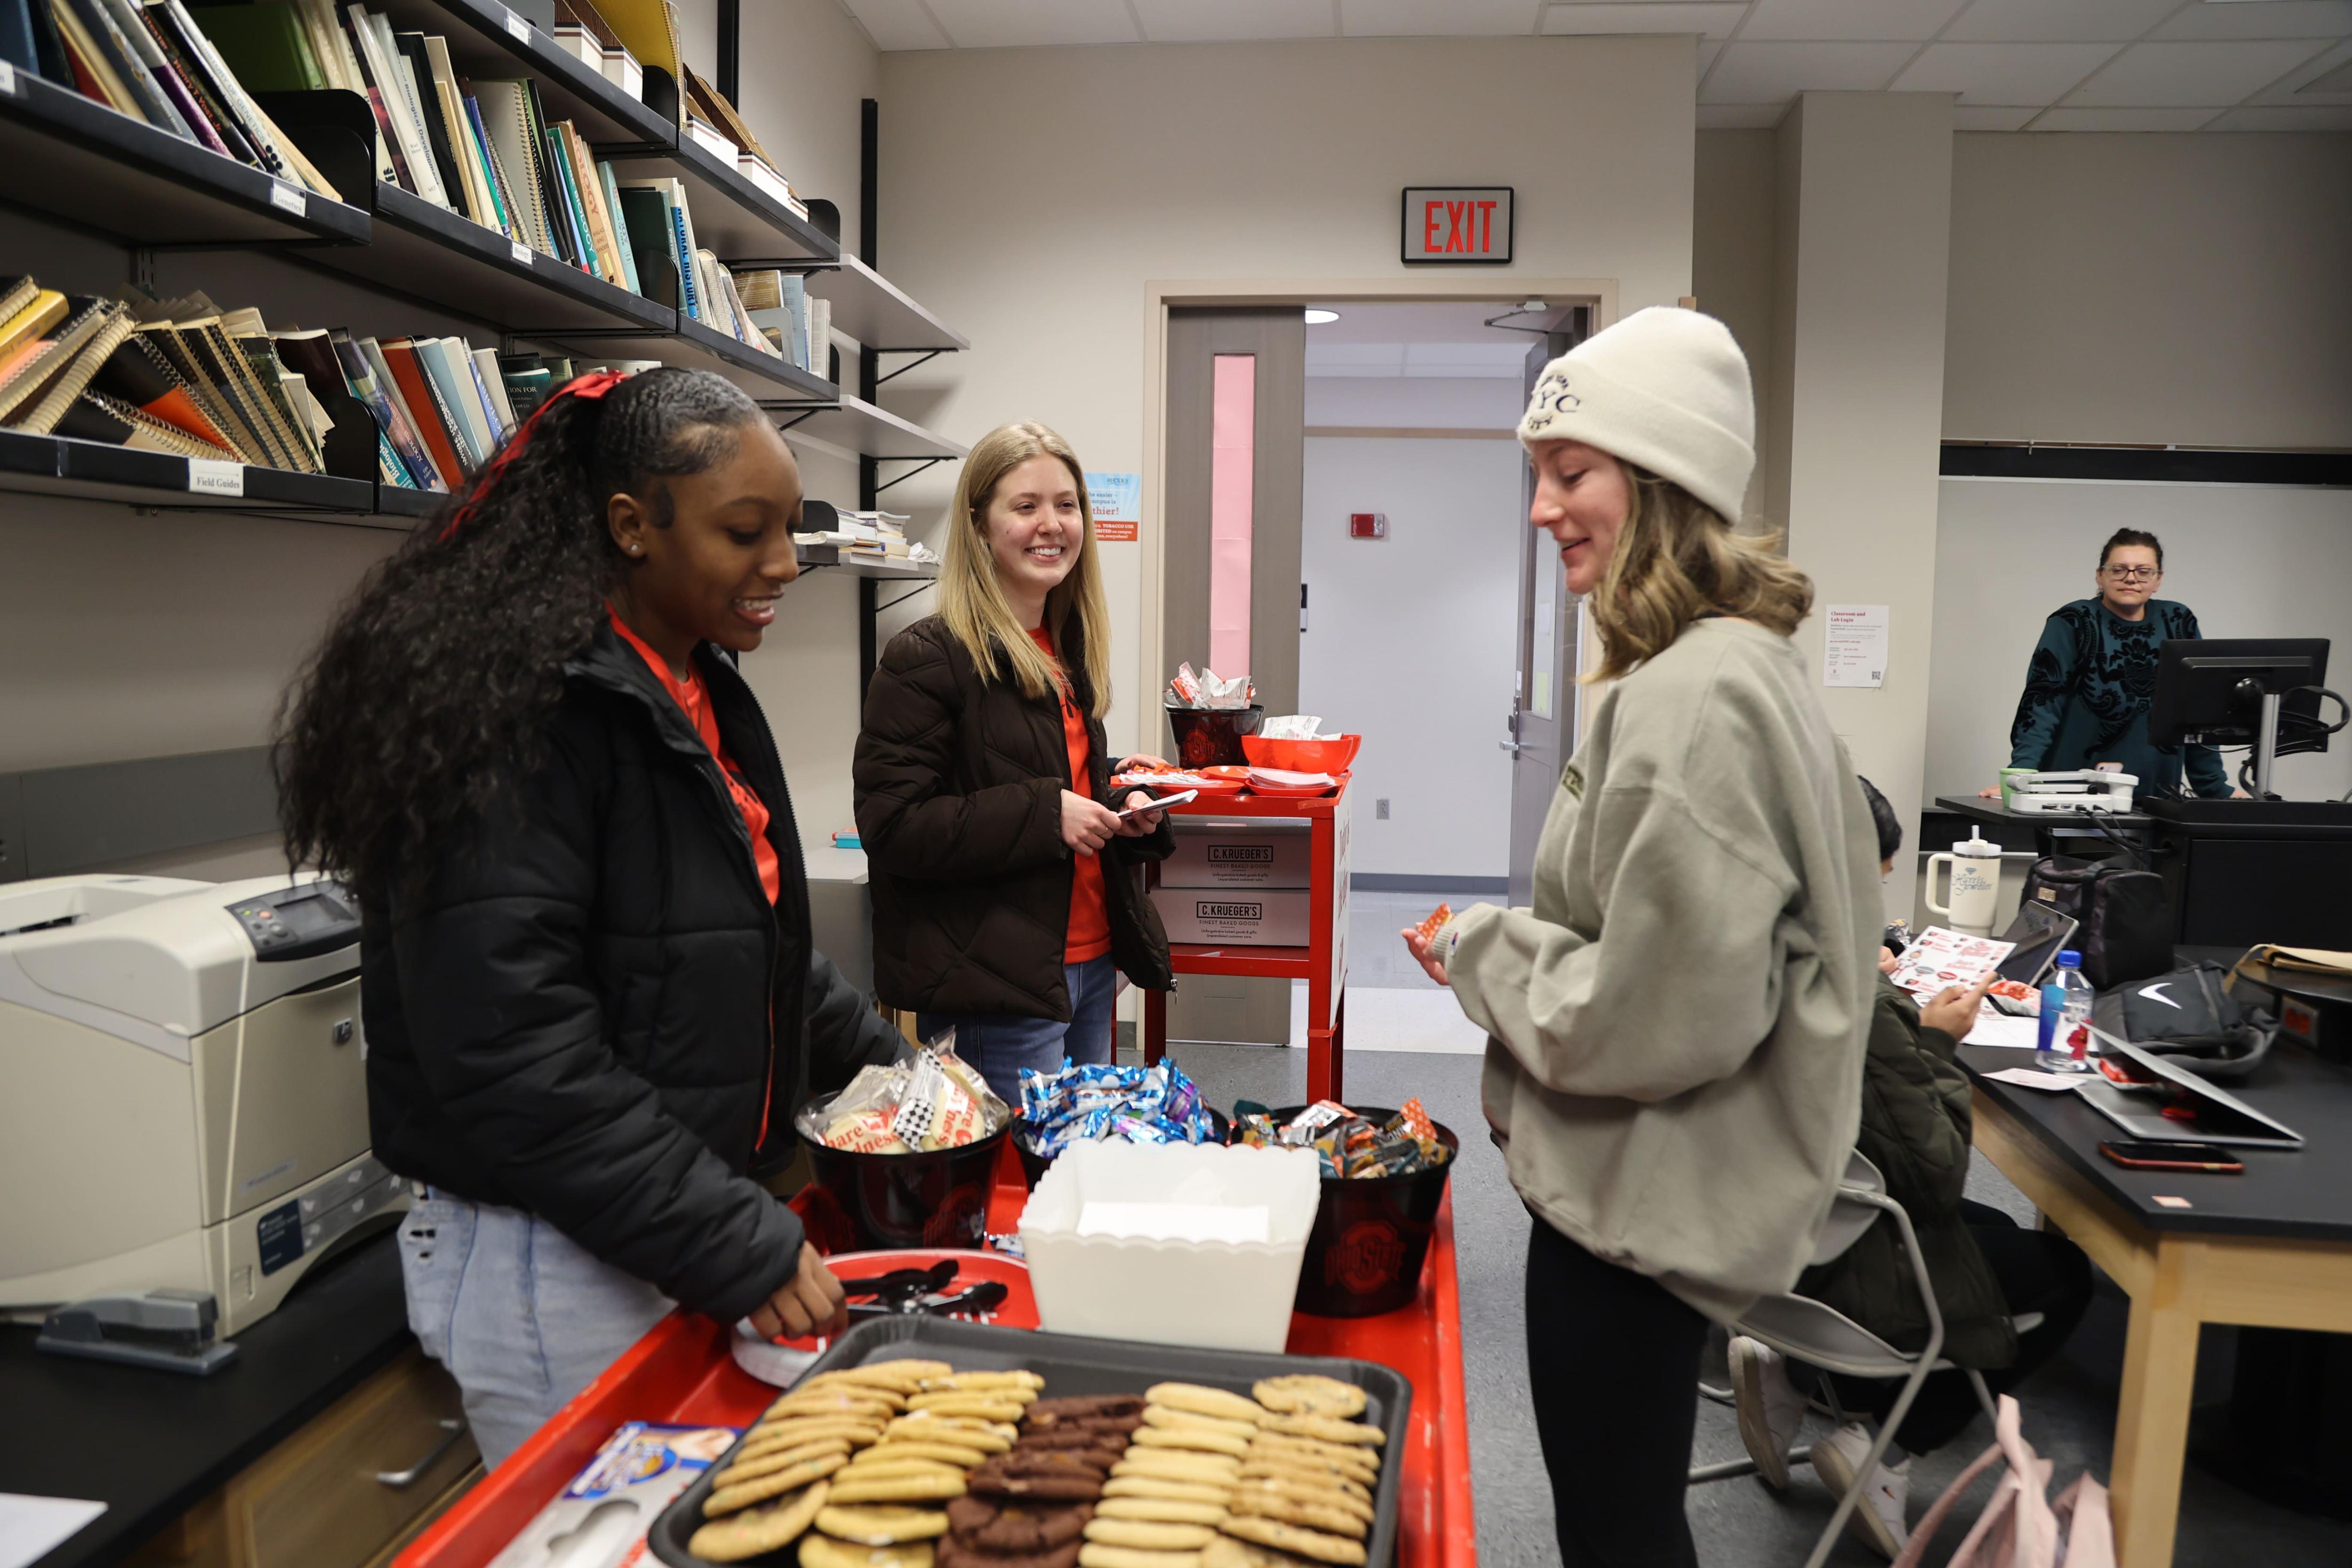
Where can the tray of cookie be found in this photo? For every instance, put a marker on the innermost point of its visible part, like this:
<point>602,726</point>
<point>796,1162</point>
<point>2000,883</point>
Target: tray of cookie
<point>933,1443</point>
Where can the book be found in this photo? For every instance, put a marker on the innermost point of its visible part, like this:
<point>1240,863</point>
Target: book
<point>149,70</point>
<point>493,179</point>
<point>17,42</point>
<point>763,287</point>
<point>98,73</point>
<point>494,390</point>
<point>601,232</point>
<point>796,301</point>
<point>137,373</point>
<point>197,83</point>
<point>266,44</point>
<point>57,395</point>
<point>647,217</point>
<point>453,387</point>
<point>387,73</point>
<point>276,151</point>
<point>330,46</point>
<point>608,184</point>
<point>157,330</point>
<point>572,231</point>
<point>411,48</point>
<point>250,357</point>
<point>96,416</point>
<point>819,336</point>
<point>649,30</point>
<point>506,121</point>
<point>360,375</point>
<point>43,309</point>
<point>32,376</point>
<point>467,359</point>
<point>433,423</point>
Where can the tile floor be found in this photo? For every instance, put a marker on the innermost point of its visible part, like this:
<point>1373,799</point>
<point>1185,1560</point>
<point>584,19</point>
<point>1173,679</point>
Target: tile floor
<point>2070,1405</point>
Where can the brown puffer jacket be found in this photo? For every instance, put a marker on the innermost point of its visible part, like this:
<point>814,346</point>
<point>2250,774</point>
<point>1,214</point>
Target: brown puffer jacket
<point>959,786</point>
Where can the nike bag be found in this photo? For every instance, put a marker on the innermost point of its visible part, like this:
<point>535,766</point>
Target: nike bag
<point>2020,1527</point>
<point>2123,919</point>
<point>2188,1013</point>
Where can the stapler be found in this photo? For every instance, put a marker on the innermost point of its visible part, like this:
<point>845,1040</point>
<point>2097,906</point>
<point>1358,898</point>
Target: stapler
<point>173,1329</point>
<point>2080,789</point>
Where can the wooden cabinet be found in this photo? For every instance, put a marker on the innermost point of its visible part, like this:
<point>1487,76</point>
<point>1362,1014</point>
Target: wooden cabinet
<point>345,1491</point>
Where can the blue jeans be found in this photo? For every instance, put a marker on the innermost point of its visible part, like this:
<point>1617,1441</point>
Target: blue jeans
<point>521,1315</point>
<point>1002,1044</point>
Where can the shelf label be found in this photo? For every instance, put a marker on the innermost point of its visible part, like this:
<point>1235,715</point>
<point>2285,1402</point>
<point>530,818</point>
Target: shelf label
<point>520,251</point>
<point>212,476</point>
<point>288,199</point>
<point>7,79</point>
<point>519,27</point>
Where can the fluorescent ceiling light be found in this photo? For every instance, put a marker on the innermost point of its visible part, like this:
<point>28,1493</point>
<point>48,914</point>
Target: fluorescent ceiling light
<point>1319,317</point>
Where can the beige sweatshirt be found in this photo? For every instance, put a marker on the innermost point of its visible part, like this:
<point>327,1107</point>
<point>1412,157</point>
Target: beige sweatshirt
<point>1677,1028</point>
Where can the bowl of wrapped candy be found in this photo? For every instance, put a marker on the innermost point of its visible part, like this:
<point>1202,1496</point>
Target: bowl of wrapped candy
<point>906,1155</point>
<point>1155,1104</point>
<point>1384,1175</point>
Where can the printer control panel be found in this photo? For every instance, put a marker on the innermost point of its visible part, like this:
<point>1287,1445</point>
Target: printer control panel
<point>299,922</point>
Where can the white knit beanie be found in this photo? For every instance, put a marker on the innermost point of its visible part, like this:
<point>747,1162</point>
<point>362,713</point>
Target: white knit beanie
<point>1666,389</point>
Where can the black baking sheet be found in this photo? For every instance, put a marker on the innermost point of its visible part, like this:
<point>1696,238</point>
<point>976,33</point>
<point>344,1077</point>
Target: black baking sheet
<point>1074,1364</point>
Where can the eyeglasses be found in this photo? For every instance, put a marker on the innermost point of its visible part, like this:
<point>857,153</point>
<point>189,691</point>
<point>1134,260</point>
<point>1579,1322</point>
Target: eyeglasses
<point>2134,573</point>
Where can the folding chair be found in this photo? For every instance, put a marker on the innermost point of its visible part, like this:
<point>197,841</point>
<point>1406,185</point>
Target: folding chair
<point>1808,1331</point>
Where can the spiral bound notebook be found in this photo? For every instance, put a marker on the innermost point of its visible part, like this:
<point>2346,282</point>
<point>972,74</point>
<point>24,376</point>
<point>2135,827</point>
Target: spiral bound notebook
<point>506,119</point>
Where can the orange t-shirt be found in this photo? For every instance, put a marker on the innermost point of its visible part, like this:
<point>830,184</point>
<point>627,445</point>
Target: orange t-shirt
<point>1090,935</point>
<point>693,695</point>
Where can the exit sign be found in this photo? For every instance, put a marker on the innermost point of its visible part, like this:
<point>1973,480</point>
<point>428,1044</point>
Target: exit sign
<point>1457,223</point>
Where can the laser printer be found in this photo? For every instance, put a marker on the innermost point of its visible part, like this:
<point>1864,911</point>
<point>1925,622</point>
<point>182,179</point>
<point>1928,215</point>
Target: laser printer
<point>186,1105</point>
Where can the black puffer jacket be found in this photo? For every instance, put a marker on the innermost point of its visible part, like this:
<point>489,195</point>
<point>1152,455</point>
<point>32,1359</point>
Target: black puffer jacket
<point>572,1018</point>
<point>1915,1124</point>
<point>959,786</point>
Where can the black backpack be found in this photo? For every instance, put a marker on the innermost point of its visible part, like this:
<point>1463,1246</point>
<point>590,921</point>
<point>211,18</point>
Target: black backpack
<point>2123,918</point>
<point>2188,1013</point>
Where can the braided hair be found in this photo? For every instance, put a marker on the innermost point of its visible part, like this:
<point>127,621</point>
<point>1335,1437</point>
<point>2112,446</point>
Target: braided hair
<point>437,677</point>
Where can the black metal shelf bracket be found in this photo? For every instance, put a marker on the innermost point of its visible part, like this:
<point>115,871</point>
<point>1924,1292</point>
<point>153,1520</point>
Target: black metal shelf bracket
<point>927,356</point>
<point>920,465</point>
<point>906,596</point>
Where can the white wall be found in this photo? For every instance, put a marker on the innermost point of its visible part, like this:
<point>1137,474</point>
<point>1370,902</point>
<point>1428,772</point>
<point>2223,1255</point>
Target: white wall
<point>1409,641</point>
<point>1400,402</point>
<point>1029,194</point>
<point>2251,561</point>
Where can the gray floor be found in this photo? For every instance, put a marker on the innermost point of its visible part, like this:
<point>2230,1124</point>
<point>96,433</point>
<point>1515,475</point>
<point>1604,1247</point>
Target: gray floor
<point>2070,1405</point>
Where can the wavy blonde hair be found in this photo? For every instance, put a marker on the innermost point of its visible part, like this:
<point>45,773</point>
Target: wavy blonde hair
<point>1677,559</point>
<point>972,602</point>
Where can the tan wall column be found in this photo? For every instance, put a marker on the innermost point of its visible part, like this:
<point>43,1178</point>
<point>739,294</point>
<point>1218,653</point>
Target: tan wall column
<point>1864,242</point>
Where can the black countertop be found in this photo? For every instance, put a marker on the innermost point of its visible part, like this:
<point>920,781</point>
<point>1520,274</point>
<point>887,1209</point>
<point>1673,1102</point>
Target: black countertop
<point>2305,1192</point>
<point>150,1445</point>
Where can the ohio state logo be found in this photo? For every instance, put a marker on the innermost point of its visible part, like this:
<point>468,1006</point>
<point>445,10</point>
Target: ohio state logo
<point>1368,1255</point>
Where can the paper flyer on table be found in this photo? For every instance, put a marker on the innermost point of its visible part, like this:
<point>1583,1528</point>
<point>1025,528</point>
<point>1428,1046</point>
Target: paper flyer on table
<point>1939,956</point>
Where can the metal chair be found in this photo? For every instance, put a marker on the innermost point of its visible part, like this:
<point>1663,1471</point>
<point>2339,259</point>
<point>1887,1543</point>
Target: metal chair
<point>1805,1330</point>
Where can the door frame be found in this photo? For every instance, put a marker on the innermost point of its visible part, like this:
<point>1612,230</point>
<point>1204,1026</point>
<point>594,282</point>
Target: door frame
<point>1160,295</point>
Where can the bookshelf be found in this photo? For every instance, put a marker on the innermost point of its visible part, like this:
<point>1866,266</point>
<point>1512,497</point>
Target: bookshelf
<point>733,218</point>
<point>871,432</point>
<point>490,40</point>
<point>874,312</point>
<point>91,470</point>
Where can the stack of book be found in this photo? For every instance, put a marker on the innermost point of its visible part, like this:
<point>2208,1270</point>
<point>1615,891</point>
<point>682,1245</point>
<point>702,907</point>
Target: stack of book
<point>794,322</point>
<point>150,60</point>
<point>868,535</point>
<point>714,126</point>
<point>181,376</point>
<point>583,30</point>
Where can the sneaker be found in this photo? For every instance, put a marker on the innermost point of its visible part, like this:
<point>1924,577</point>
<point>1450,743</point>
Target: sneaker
<point>1878,1516</point>
<point>1770,1409</point>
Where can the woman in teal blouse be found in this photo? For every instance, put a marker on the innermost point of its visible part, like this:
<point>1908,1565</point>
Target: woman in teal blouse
<point>2088,685</point>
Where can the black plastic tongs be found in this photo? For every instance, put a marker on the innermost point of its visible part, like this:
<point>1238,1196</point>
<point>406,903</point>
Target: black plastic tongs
<point>907,1292</point>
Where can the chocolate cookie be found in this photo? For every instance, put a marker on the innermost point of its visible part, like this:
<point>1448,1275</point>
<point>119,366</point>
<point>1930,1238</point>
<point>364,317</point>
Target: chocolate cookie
<point>1016,1528</point>
<point>953,1554</point>
<point>1059,1476</point>
<point>1049,1412</point>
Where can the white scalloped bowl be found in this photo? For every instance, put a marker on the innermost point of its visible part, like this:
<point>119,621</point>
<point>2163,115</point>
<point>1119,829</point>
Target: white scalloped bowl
<point>1222,1295</point>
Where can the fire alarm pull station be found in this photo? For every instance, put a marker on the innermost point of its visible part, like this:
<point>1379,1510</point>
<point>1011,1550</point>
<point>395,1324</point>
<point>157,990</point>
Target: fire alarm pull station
<point>1368,525</point>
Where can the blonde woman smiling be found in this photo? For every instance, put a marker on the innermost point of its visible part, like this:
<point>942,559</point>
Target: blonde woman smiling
<point>1007,892</point>
<point>1676,1029</point>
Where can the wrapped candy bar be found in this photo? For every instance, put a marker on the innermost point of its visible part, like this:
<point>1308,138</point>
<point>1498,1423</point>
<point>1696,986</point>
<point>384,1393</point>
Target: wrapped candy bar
<point>1157,1105</point>
<point>1348,1145</point>
<point>932,1100</point>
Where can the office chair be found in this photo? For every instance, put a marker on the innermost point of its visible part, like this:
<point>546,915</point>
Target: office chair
<point>1808,1331</point>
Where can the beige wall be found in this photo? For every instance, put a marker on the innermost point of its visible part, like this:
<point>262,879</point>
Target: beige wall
<point>1030,194</point>
<point>1731,265</point>
<point>2185,289</point>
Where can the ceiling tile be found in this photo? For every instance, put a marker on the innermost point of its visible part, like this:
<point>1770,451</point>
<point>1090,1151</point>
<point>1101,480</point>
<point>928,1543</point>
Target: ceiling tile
<point>1740,116</point>
<point>1772,73</point>
<point>2275,117</point>
<point>1713,21</point>
<point>1968,118</point>
<point>2123,119</point>
<point>2034,21</point>
<point>2262,19</point>
<point>2324,79</point>
<point>1195,21</point>
<point>1005,24</point>
<point>2003,73</point>
<point>1709,48</point>
<point>2148,75</point>
<point>1437,18</point>
<point>897,24</point>
<point>1849,18</point>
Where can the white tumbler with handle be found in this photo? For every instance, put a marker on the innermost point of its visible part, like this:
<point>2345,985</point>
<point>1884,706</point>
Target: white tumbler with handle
<point>1973,893</point>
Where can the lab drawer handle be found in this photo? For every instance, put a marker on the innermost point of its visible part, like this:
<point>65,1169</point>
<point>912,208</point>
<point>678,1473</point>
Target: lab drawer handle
<point>453,1429</point>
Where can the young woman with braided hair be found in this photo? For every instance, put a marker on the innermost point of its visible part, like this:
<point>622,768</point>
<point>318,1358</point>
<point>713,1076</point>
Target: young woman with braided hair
<point>586,969</point>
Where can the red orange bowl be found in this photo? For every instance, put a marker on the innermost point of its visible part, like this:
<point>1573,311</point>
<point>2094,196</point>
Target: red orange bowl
<point>1333,757</point>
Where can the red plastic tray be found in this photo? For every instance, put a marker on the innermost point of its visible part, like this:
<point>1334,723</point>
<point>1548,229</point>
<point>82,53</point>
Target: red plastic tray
<point>682,1372</point>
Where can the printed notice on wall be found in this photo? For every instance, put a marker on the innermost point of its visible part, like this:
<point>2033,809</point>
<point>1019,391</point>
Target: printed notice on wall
<point>1117,501</point>
<point>1853,645</point>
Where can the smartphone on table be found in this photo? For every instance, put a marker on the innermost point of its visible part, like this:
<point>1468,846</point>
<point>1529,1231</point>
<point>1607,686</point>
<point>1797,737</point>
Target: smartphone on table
<point>2149,1156</point>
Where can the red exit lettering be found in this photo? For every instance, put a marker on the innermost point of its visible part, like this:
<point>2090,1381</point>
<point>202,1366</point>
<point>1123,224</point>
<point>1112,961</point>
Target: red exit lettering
<point>1469,227</point>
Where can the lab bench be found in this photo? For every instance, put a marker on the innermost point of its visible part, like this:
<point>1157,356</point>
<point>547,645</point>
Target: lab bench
<point>327,1443</point>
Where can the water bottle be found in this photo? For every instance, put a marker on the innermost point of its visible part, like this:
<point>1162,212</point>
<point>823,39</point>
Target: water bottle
<point>2063,1034</point>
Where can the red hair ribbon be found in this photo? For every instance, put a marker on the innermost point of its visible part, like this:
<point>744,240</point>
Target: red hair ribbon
<point>587,388</point>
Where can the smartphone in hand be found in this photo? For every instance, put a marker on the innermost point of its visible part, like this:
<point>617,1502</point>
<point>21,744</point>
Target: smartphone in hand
<point>1161,804</point>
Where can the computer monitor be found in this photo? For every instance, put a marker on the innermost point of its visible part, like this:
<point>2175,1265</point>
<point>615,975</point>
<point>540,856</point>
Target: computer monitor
<point>2261,691</point>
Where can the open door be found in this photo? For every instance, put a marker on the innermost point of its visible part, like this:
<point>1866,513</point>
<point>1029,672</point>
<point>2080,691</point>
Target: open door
<point>1543,722</point>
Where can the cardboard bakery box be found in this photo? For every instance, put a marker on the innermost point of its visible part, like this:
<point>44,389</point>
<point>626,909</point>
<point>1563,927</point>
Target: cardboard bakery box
<point>1254,917</point>
<point>1222,853</point>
